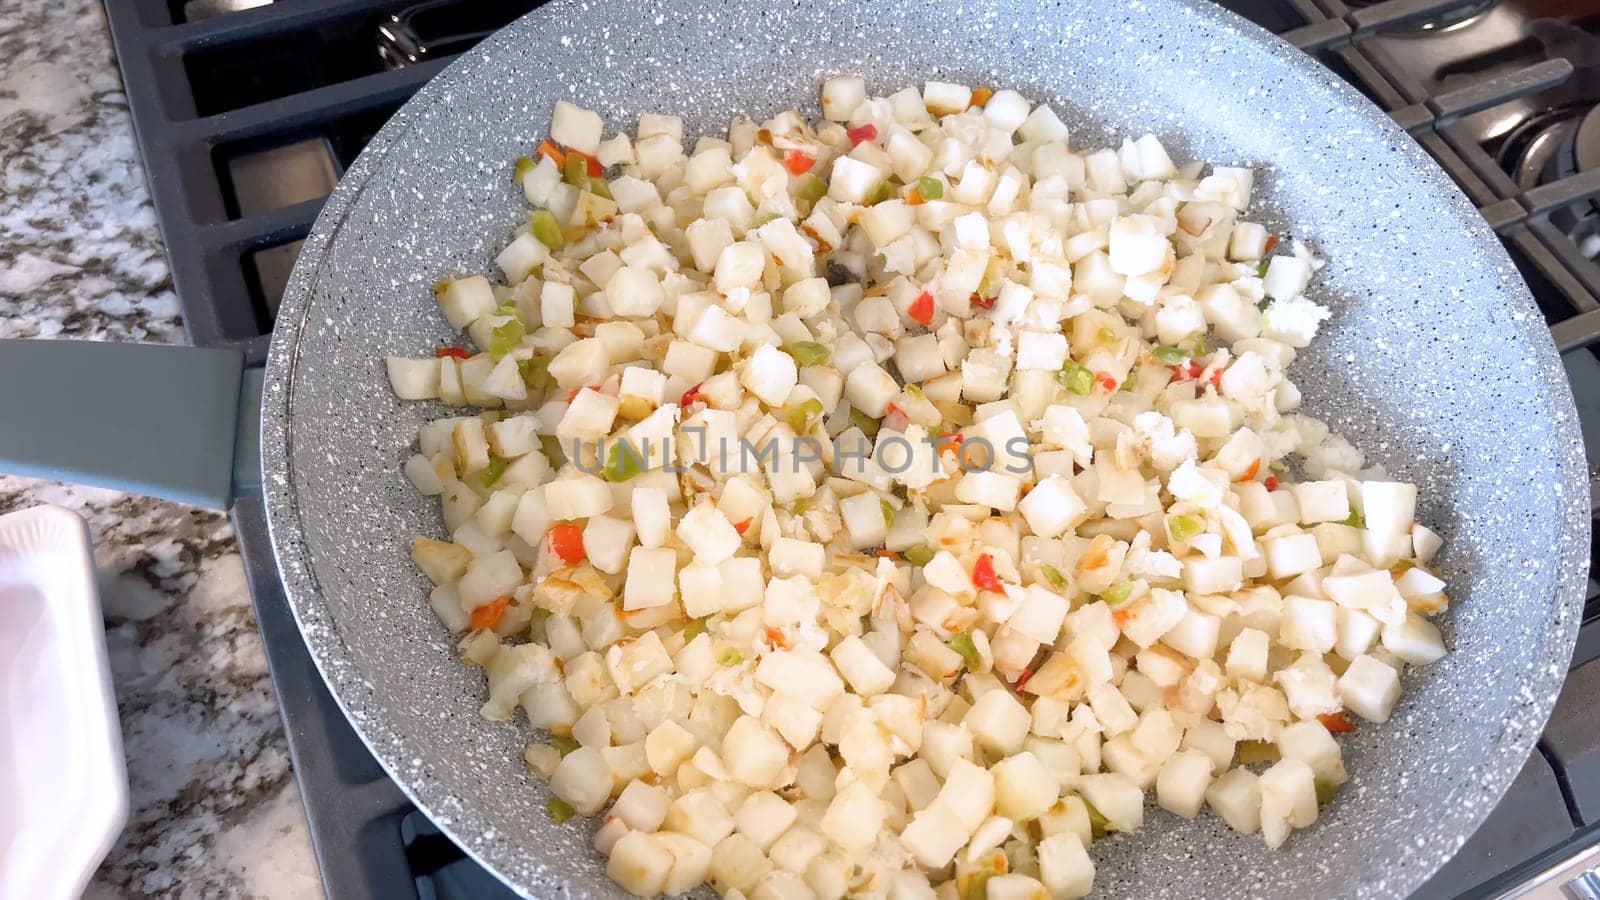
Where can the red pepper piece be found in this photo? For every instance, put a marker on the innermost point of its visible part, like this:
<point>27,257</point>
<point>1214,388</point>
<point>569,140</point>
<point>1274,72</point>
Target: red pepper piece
<point>566,540</point>
<point>983,574</point>
<point>453,353</point>
<point>922,308</point>
<point>489,614</point>
<point>1336,723</point>
<point>797,163</point>
<point>867,132</point>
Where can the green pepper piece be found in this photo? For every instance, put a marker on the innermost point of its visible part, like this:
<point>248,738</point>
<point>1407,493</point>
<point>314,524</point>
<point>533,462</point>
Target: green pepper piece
<point>576,170</point>
<point>811,189</point>
<point>930,188</point>
<point>1182,528</point>
<point>730,657</point>
<point>535,372</point>
<point>544,226</point>
<point>507,336</point>
<point>1171,356</point>
<point>961,642</point>
<point>492,472</point>
<point>1117,594</point>
<point>804,417</point>
<point>1053,576</point>
<point>563,744</point>
<point>807,353</point>
<point>560,811</point>
<point>888,513</point>
<point>867,424</point>
<point>1075,378</point>
<point>624,464</point>
<point>918,554</point>
<point>1355,520</point>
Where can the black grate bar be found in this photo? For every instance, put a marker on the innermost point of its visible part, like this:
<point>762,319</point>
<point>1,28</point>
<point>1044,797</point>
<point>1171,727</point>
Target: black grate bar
<point>312,107</point>
<point>1529,243</point>
<point>266,21</point>
<point>1566,251</point>
<point>1567,191</point>
<point>1452,105</point>
<point>1399,13</point>
<point>265,229</point>
<point>1319,35</point>
<point>1582,330</point>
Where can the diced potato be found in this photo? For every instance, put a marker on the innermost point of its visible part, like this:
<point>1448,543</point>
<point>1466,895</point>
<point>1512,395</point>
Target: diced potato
<point>1024,788</point>
<point>998,722</point>
<point>1182,782</point>
<point>1236,797</point>
<point>1288,800</point>
<point>583,779</point>
<point>1369,688</point>
<point>700,815</point>
<point>854,817</point>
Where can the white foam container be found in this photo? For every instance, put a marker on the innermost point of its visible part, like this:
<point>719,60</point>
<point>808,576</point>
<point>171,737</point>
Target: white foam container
<point>63,782</point>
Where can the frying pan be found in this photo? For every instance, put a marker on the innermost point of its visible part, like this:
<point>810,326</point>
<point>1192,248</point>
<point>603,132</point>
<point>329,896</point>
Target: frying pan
<point>1436,363</point>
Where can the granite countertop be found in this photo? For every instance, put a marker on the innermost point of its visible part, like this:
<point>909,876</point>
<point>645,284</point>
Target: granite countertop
<point>215,811</point>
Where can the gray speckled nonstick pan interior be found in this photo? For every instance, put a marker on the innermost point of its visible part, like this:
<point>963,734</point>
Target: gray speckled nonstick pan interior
<point>1436,363</point>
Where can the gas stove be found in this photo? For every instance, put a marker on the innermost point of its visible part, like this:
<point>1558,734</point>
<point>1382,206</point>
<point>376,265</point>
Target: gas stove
<point>247,112</point>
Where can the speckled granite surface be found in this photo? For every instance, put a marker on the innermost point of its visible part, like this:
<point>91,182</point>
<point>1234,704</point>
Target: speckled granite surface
<point>215,810</point>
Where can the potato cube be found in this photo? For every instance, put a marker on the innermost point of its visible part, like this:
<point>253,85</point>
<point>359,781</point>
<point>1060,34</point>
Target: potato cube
<point>1236,797</point>
<point>642,806</point>
<point>862,668</point>
<point>583,779</point>
<point>691,862</point>
<point>1322,501</point>
<point>934,835</point>
<point>1288,800</point>
<point>764,817</point>
<point>753,754</point>
<point>1052,507</point>
<point>737,864</point>
<point>640,864</point>
<point>1118,799</point>
<point>1023,787</point>
<point>968,792</point>
<point>708,533</point>
<point>854,817</point>
<point>700,815</point>
<point>998,721</point>
<point>1182,782</point>
<point>1413,639</point>
<point>652,575</point>
<point>1309,624</point>
<point>1369,688</point>
<point>1014,887</point>
<point>667,746</point>
<point>1292,554</point>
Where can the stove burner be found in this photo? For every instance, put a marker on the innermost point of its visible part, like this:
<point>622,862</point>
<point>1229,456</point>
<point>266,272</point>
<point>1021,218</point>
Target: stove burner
<point>1446,20</point>
<point>1553,145</point>
<point>1540,149</point>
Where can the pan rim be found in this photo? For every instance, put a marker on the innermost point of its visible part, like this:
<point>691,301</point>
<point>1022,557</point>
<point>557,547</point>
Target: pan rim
<point>1487,779</point>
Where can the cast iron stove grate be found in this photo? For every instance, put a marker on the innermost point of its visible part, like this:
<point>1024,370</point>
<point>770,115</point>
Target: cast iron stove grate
<point>248,111</point>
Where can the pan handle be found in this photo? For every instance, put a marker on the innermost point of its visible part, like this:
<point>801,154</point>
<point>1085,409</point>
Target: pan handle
<point>151,419</point>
